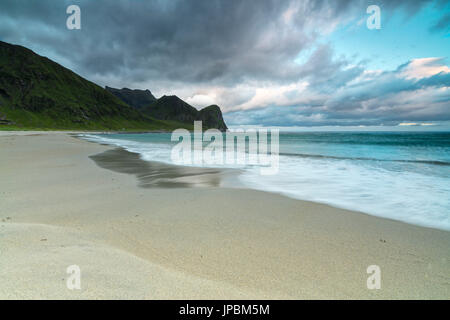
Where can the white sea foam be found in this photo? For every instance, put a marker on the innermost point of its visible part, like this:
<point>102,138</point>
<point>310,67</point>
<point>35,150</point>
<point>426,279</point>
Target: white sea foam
<point>406,196</point>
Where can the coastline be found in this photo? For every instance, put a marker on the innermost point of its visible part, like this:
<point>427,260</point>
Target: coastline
<point>209,242</point>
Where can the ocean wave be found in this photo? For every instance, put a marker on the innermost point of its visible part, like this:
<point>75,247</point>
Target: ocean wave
<point>320,156</point>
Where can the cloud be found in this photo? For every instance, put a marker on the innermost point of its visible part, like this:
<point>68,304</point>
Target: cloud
<point>414,124</point>
<point>202,100</point>
<point>195,41</point>
<point>242,55</point>
<point>416,91</point>
<point>425,67</point>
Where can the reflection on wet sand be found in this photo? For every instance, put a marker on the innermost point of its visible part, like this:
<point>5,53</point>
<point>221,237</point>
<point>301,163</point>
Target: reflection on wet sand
<point>159,175</point>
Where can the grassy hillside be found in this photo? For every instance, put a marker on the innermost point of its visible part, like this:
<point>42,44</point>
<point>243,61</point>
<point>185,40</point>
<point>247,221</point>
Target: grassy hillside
<point>37,93</point>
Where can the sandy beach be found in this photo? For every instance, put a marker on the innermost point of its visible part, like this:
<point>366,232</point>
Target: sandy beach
<point>135,236</point>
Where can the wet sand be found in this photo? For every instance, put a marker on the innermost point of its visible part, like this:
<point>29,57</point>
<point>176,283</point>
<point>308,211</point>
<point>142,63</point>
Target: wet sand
<point>160,175</point>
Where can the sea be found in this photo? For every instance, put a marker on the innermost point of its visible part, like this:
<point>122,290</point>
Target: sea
<point>403,176</point>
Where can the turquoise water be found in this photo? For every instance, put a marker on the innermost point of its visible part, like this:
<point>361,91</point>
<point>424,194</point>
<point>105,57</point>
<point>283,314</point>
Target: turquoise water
<point>403,176</point>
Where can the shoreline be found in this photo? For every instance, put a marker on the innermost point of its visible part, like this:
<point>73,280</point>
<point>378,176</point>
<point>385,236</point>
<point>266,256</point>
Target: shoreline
<point>231,178</point>
<point>209,242</point>
<point>130,163</point>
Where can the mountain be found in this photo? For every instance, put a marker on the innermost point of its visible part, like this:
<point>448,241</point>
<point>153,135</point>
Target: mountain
<point>174,109</point>
<point>171,108</point>
<point>135,98</point>
<point>37,93</point>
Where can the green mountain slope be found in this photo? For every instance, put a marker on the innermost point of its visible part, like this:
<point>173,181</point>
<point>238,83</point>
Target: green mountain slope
<point>36,92</point>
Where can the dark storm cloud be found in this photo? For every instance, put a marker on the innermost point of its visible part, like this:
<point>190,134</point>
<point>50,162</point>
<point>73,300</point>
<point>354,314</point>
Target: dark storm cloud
<point>197,40</point>
<point>175,40</point>
<point>231,46</point>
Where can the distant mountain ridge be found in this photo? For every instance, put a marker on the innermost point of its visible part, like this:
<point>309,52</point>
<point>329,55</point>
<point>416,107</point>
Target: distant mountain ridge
<point>135,98</point>
<point>38,93</point>
<point>171,108</point>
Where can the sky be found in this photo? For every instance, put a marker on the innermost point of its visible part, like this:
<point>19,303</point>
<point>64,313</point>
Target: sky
<point>298,63</point>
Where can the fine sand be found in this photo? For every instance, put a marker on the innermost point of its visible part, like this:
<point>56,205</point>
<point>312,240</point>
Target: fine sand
<point>148,231</point>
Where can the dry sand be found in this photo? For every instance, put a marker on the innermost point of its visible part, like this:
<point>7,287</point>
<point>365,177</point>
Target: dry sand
<point>59,208</point>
